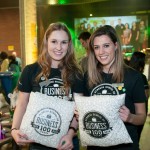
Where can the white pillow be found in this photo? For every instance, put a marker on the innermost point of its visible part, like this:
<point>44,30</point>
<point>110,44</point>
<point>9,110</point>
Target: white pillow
<point>47,119</point>
<point>99,121</point>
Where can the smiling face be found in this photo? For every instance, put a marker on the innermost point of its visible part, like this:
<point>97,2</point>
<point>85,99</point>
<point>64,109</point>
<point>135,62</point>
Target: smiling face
<point>58,43</point>
<point>104,50</point>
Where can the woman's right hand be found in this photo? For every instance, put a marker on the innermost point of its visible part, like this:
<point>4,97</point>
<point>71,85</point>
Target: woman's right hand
<point>20,138</point>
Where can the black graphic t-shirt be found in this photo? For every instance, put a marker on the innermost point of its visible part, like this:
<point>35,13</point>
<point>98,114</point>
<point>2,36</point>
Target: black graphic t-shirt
<point>52,87</point>
<point>133,87</point>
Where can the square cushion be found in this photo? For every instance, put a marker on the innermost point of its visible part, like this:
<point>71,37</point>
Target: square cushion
<point>47,119</point>
<point>99,121</point>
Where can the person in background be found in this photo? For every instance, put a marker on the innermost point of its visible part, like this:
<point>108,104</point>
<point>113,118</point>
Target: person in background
<point>103,22</point>
<point>142,35</point>
<point>89,28</point>
<point>56,63</point>
<point>15,69</point>
<point>106,70</point>
<point>84,40</point>
<point>5,86</point>
<point>134,36</point>
<point>17,59</point>
<point>119,29</point>
<point>126,34</point>
<point>138,63</point>
<point>81,28</point>
<point>95,26</point>
<point>4,61</point>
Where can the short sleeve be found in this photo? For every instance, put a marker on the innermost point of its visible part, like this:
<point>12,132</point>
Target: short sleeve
<point>24,84</point>
<point>138,90</point>
<point>146,86</point>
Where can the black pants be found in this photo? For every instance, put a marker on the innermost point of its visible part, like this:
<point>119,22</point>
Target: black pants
<point>37,146</point>
<point>15,146</point>
<point>118,147</point>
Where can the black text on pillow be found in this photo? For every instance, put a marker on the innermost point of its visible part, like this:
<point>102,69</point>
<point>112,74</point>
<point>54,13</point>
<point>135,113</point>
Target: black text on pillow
<point>47,119</point>
<point>99,121</point>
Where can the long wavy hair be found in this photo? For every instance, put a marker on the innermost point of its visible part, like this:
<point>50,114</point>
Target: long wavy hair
<point>95,68</point>
<point>68,65</point>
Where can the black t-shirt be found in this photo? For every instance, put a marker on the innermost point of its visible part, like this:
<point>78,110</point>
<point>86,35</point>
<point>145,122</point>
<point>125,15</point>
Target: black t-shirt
<point>52,87</point>
<point>146,86</point>
<point>133,87</point>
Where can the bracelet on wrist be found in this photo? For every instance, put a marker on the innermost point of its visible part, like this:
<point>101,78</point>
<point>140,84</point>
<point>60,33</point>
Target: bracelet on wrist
<point>13,129</point>
<point>75,130</point>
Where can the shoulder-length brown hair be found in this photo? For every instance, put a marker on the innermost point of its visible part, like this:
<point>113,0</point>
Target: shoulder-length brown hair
<point>68,66</point>
<point>95,67</point>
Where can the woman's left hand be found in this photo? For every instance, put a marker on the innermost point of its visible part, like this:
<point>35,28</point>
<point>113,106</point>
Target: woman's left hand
<point>65,143</point>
